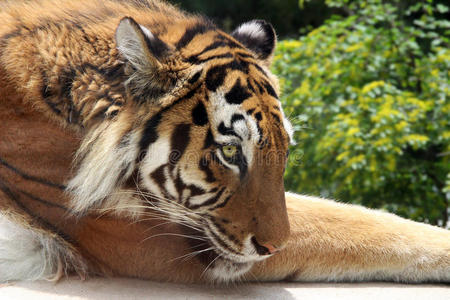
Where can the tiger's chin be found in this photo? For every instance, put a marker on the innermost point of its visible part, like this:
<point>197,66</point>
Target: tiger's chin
<point>225,270</point>
<point>219,266</point>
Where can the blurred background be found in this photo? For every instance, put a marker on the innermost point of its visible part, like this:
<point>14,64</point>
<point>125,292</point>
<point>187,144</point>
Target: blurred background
<point>366,85</point>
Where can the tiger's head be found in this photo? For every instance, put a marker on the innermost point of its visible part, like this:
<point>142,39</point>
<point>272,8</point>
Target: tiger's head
<point>202,139</point>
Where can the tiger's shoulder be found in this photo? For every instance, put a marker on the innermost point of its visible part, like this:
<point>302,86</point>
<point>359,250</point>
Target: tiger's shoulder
<point>61,56</point>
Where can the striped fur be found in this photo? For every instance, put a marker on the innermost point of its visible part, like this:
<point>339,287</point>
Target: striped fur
<point>136,104</point>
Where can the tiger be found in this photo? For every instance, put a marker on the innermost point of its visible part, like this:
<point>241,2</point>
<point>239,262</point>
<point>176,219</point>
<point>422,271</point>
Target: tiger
<point>142,141</point>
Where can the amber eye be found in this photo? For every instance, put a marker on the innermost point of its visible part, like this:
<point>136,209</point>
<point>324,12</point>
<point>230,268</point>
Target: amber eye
<point>229,151</point>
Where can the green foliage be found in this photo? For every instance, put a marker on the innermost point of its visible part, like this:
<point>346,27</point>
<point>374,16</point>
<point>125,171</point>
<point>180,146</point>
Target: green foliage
<point>369,97</point>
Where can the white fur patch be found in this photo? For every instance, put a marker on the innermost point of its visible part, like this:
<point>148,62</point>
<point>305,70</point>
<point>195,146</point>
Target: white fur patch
<point>288,127</point>
<point>225,271</point>
<point>27,254</point>
<point>157,155</point>
<point>98,176</point>
<point>223,112</point>
<point>251,29</point>
<point>147,32</point>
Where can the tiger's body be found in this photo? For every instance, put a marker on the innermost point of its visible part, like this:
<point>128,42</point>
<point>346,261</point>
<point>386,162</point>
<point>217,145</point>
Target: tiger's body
<point>154,146</point>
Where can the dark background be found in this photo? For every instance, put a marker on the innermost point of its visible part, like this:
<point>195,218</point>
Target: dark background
<point>286,15</point>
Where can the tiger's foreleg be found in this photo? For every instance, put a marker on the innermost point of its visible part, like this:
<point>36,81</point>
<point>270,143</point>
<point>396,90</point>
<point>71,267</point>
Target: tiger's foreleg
<point>337,242</point>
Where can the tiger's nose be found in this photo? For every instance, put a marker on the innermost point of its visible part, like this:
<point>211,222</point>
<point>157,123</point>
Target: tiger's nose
<point>264,249</point>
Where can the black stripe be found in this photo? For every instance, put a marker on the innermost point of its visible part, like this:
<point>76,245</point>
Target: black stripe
<point>215,77</point>
<point>245,55</point>
<point>30,177</point>
<point>239,65</point>
<point>191,33</point>
<point>196,60</point>
<point>237,94</point>
<point>158,176</point>
<point>260,88</point>
<point>195,77</point>
<point>221,41</point>
<point>276,117</point>
<point>209,140</point>
<point>222,243</point>
<point>181,186</point>
<point>46,202</point>
<point>210,201</point>
<point>261,141</point>
<point>230,43</point>
<point>157,47</point>
<point>215,45</point>
<point>258,68</point>
<point>195,190</point>
<point>227,234</point>
<point>16,198</point>
<point>242,163</point>
<point>227,130</point>
<point>270,90</point>
<point>221,204</point>
<point>250,86</point>
<point>236,118</point>
<point>199,114</point>
<point>203,165</point>
<point>179,142</point>
<point>150,134</point>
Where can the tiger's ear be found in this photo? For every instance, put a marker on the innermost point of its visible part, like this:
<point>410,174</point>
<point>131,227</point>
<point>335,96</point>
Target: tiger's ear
<point>147,56</point>
<point>258,36</point>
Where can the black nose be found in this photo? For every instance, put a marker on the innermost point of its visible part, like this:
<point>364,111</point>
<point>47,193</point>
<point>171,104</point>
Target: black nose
<point>261,250</point>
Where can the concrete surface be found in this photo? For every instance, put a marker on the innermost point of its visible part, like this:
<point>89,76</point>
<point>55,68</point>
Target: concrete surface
<point>120,288</point>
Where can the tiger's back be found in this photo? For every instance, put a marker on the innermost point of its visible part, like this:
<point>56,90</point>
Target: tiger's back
<point>62,58</point>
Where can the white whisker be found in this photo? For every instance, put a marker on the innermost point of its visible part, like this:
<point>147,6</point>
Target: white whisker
<point>175,234</point>
<point>191,254</point>
<point>206,269</point>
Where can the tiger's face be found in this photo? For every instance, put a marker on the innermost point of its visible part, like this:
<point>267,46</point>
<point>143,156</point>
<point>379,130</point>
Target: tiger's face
<point>206,139</point>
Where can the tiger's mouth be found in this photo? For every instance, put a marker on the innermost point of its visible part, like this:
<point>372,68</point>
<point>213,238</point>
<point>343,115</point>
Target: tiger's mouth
<point>221,269</point>
<point>220,265</point>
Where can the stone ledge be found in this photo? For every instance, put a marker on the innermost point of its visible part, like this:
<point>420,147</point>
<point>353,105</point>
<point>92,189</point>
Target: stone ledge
<point>121,288</point>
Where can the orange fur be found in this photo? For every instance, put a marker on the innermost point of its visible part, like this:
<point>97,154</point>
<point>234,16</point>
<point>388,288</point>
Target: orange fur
<point>63,93</point>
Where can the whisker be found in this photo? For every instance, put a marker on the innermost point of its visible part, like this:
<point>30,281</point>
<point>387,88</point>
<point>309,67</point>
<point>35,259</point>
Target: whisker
<point>192,254</point>
<point>169,222</point>
<point>204,271</point>
<point>174,234</point>
<point>164,202</point>
<point>164,212</point>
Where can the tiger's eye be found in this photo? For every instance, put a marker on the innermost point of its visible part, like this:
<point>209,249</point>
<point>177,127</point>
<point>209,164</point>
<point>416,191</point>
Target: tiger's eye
<point>229,150</point>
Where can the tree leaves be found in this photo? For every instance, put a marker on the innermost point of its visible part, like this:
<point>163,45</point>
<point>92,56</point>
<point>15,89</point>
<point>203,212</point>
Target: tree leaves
<point>372,90</point>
